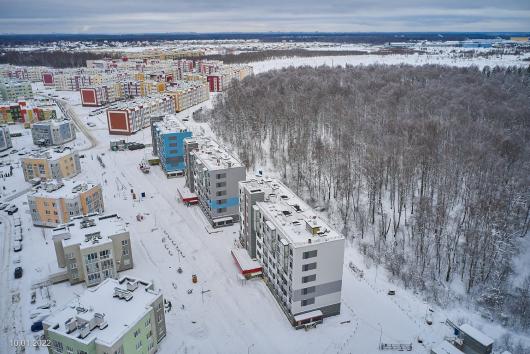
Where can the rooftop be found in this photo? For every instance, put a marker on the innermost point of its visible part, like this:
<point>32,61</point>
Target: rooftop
<point>214,156</point>
<point>298,223</point>
<point>136,102</point>
<point>476,334</point>
<point>106,312</point>
<point>91,229</point>
<point>171,124</point>
<point>51,154</point>
<point>445,348</point>
<point>52,122</point>
<point>184,85</point>
<point>66,188</point>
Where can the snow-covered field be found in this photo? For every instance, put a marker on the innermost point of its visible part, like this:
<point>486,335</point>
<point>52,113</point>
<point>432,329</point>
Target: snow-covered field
<point>234,316</point>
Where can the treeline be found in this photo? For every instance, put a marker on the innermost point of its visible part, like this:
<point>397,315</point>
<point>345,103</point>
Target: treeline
<point>54,59</point>
<point>261,55</point>
<point>425,168</point>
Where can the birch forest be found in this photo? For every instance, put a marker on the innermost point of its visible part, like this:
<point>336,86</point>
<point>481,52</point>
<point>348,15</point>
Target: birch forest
<point>425,169</point>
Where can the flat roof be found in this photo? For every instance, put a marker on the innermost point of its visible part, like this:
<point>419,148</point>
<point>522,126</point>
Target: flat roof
<point>119,314</point>
<point>52,122</point>
<point>171,124</point>
<point>308,315</point>
<point>137,101</point>
<point>66,188</point>
<point>289,214</point>
<point>91,229</point>
<point>51,153</point>
<point>184,85</point>
<point>214,156</point>
<point>476,334</point>
<point>445,348</point>
<point>243,259</point>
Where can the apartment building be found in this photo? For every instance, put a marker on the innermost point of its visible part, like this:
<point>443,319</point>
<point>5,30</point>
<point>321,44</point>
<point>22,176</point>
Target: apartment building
<point>301,255</point>
<point>5,138</point>
<point>25,112</point>
<point>58,163</point>
<point>126,118</point>
<point>119,316</point>
<point>93,248</point>
<point>187,94</point>
<point>52,132</point>
<point>56,202</point>
<point>12,90</point>
<point>213,174</point>
<point>141,88</point>
<point>100,95</point>
<point>168,144</point>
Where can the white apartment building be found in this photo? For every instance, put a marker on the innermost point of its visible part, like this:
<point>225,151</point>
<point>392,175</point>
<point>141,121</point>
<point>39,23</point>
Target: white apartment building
<point>93,248</point>
<point>301,255</point>
<point>5,138</point>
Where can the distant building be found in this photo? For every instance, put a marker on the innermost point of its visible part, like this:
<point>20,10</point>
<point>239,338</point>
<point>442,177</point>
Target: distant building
<point>213,174</point>
<point>5,138</point>
<point>96,96</point>
<point>12,90</point>
<point>93,248</point>
<point>301,254</point>
<point>126,118</point>
<point>520,39</point>
<point>168,144</point>
<point>55,163</point>
<point>53,132</point>
<point>56,202</point>
<point>116,317</point>
<point>188,94</point>
<point>25,112</point>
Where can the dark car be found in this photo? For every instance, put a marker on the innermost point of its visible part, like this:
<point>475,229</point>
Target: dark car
<point>18,272</point>
<point>37,326</point>
<point>135,146</point>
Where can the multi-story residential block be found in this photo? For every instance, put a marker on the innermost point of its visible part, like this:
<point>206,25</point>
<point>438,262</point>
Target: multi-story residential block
<point>188,93</point>
<point>301,255</point>
<point>25,112</point>
<point>93,248</point>
<point>56,202</point>
<point>168,144</point>
<point>141,88</point>
<point>95,96</point>
<point>53,132</point>
<point>116,317</point>
<point>31,73</point>
<point>58,163</point>
<point>5,138</point>
<point>213,174</point>
<point>129,117</point>
<point>12,90</point>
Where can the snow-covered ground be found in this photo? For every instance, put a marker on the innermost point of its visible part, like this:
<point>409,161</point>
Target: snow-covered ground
<point>233,316</point>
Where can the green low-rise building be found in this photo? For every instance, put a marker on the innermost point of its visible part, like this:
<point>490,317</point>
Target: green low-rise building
<point>116,317</point>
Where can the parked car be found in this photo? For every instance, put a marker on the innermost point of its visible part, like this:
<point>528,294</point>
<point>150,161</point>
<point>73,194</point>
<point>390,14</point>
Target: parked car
<point>391,292</point>
<point>17,247</point>
<point>14,151</point>
<point>18,272</point>
<point>18,238</point>
<point>12,209</point>
<point>90,124</point>
<point>36,326</point>
<point>135,146</point>
<point>3,206</point>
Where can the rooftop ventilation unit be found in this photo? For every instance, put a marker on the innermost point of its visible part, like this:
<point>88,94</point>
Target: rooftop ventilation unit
<point>122,294</point>
<point>70,325</point>
<point>87,223</point>
<point>84,331</point>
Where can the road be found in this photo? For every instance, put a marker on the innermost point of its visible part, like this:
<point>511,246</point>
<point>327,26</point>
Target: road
<point>5,251</point>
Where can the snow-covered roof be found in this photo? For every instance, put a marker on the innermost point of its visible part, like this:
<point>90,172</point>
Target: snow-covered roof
<point>52,122</point>
<point>171,124</point>
<point>296,221</point>
<point>214,156</point>
<point>66,188</point>
<point>476,334</point>
<point>135,103</point>
<point>84,230</point>
<point>51,154</point>
<point>308,315</point>
<point>243,259</point>
<point>445,348</point>
<point>118,313</point>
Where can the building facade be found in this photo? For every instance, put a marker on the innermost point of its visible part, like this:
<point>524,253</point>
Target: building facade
<point>188,94</point>
<point>168,143</point>
<point>55,163</point>
<point>301,255</point>
<point>213,174</point>
<point>53,132</point>
<point>127,118</point>
<point>93,248</point>
<point>56,202</point>
<point>12,90</point>
<point>119,316</point>
<point>5,138</point>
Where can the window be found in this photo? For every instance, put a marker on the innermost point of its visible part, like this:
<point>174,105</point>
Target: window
<point>307,302</point>
<point>104,254</point>
<point>308,290</point>
<point>220,175</point>
<point>125,251</point>
<point>309,254</point>
<point>148,323</point>
<point>220,185</point>
<point>69,350</point>
<point>124,242</point>
<point>309,278</point>
<point>221,201</point>
<point>309,266</point>
<point>57,346</point>
<point>137,333</point>
<point>221,210</point>
<point>220,193</point>
<point>139,345</point>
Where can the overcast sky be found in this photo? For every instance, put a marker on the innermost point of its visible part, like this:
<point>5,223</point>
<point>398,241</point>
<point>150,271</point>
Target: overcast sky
<point>132,16</point>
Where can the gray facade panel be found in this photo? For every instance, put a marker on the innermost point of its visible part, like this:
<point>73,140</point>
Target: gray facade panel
<point>322,289</point>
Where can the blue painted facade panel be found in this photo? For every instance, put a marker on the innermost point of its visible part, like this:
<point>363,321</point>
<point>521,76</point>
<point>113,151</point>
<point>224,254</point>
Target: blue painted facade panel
<point>230,202</point>
<point>171,150</point>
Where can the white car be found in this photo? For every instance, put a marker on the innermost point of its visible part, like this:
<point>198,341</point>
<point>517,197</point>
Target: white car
<point>17,247</point>
<point>90,124</point>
